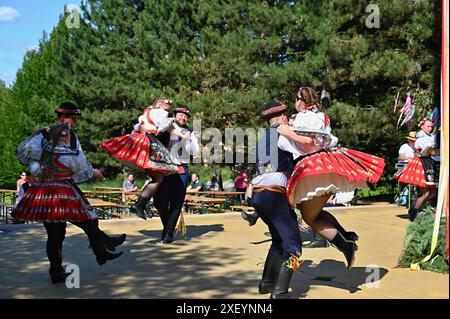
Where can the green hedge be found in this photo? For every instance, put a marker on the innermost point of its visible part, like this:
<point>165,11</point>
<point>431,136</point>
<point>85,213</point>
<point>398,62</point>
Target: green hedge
<point>418,243</point>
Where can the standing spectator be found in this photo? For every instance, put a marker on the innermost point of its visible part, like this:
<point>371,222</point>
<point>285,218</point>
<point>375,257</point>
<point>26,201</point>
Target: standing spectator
<point>406,151</point>
<point>213,184</point>
<point>241,183</point>
<point>22,186</point>
<point>196,184</point>
<point>129,186</point>
<point>422,170</point>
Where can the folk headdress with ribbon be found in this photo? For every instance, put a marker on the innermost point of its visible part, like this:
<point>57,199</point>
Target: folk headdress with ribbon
<point>182,109</point>
<point>273,109</point>
<point>68,108</point>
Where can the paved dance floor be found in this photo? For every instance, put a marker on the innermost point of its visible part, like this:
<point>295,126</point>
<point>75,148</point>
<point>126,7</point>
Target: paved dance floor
<point>221,258</point>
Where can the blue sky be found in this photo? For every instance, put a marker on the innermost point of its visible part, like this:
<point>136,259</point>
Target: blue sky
<point>21,25</point>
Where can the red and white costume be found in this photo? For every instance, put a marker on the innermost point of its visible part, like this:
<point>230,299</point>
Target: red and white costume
<point>322,167</point>
<point>142,151</point>
<point>55,198</point>
<point>422,170</point>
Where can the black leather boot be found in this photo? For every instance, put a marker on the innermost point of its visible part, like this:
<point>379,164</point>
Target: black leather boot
<point>139,207</point>
<point>281,289</point>
<point>58,274</point>
<point>104,257</point>
<point>99,249</point>
<point>148,212</point>
<point>270,273</point>
<point>347,247</point>
<point>252,218</point>
<point>172,219</point>
<point>97,241</point>
<point>412,214</point>
<point>112,242</point>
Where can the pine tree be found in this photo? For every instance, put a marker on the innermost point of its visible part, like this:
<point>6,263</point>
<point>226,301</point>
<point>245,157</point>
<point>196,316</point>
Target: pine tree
<point>226,58</point>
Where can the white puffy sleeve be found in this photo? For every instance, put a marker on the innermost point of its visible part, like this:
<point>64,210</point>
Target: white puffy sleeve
<point>315,125</point>
<point>83,170</point>
<point>29,152</point>
<point>155,120</point>
<point>285,144</point>
<point>192,146</point>
<point>161,119</point>
<point>423,141</point>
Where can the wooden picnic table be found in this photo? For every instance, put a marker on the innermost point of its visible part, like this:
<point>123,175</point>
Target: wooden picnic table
<point>204,203</point>
<point>107,188</point>
<point>108,195</point>
<point>214,193</point>
<point>5,212</point>
<point>107,209</point>
<point>8,192</point>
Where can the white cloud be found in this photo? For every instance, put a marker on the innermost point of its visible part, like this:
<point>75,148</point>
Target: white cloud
<point>8,14</point>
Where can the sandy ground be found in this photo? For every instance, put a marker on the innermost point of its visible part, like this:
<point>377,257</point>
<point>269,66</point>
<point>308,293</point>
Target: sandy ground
<point>222,258</point>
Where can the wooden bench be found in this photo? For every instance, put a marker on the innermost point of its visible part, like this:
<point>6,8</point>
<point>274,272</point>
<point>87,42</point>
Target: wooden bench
<point>5,212</point>
<point>242,208</point>
<point>203,203</point>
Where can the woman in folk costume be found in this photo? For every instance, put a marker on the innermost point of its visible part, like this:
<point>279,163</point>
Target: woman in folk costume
<point>323,169</point>
<point>422,170</point>
<point>55,157</point>
<point>144,152</point>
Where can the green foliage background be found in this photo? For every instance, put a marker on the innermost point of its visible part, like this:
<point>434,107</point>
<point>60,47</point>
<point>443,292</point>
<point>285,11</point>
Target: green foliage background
<point>225,59</point>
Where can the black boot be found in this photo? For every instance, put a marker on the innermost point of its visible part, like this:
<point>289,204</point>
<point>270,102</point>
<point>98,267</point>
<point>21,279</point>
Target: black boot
<point>148,212</point>
<point>347,247</point>
<point>172,219</point>
<point>139,207</point>
<point>252,218</point>
<point>58,274</point>
<point>97,241</point>
<point>104,257</point>
<point>412,213</point>
<point>281,289</point>
<point>112,242</point>
<point>270,273</point>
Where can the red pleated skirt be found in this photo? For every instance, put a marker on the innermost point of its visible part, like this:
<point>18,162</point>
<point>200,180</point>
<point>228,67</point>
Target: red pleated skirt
<point>141,153</point>
<point>332,171</point>
<point>414,173</point>
<point>53,201</point>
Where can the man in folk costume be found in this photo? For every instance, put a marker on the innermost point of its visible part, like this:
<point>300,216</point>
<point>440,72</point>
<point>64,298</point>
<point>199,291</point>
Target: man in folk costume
<point>268,193</point>
<point>169,198</point>
<point>55,156</point>
<point>143,151</point>
<point>323,169</point>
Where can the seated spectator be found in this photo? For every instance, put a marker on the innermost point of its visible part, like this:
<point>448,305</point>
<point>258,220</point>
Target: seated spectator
<point>213,184</point>
<point>196,184</point>
<point>129,186</point>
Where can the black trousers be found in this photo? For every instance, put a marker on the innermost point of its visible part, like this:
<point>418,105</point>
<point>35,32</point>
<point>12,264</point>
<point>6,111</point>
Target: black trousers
<point>169,200</point>
<point>274,210</point>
